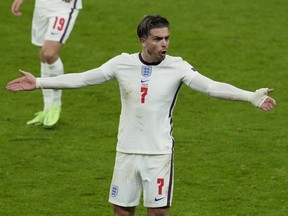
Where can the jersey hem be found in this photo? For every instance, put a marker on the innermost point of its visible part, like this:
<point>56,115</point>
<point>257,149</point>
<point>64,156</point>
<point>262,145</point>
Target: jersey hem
<point>145,153</point>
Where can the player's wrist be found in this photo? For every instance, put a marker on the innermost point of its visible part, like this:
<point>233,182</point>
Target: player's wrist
<point>259,97</point>
<point>37,83</point>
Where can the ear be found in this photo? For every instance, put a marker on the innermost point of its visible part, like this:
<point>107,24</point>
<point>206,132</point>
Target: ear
<point>143,42</point>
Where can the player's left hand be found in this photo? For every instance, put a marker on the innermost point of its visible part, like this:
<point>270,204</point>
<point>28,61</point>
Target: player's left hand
<point>262,101</point>
<point>268,104</point>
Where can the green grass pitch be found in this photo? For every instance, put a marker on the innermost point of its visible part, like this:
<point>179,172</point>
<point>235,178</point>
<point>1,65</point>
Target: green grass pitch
<point>230,158</point>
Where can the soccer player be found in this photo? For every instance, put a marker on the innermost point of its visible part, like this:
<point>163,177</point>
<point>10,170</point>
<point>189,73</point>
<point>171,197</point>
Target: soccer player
<point>52,23</point>
<point>149,83</point>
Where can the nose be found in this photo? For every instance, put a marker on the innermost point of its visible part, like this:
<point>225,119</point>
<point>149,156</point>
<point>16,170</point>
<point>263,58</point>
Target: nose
<point>165,42</point>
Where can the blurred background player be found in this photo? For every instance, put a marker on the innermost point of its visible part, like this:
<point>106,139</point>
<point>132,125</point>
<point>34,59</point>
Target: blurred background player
<point>52,23</point>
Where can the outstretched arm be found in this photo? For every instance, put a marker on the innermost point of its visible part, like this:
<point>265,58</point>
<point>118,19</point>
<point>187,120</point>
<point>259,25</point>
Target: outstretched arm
<point>15,7</point>
<point>226,91</point>
<point>66,81</point>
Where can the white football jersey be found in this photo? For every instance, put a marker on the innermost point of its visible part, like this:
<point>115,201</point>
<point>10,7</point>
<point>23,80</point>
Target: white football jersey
<point>148,96</point>
<point>56,4</point>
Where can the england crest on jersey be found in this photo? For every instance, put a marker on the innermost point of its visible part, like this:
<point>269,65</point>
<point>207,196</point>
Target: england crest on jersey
<point>114,191</point>
<point>146,71</point>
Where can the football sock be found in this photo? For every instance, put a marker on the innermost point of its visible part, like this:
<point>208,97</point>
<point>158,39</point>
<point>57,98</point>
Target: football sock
<point>51,96</point>
<point>47,93</point>
<point>56,69</point>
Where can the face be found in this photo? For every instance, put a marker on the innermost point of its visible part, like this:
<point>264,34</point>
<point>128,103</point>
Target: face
<point>155,47</point>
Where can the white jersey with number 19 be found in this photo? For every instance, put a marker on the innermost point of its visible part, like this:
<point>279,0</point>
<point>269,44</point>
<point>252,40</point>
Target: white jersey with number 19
<point>148,95</point>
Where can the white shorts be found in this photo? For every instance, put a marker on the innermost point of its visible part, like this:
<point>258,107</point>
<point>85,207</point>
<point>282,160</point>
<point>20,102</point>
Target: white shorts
<point>52,25</point>
<point>134,173</point>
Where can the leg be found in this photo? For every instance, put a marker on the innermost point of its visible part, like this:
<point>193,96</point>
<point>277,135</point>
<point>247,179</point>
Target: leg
<point>123,211</point>
<point>51,65</point>
<point>50,30</point>
<point>126,185</point>
<point>59,28</point>
<point>50,51</point>
<point>158,211</point>
<point>158,184</point>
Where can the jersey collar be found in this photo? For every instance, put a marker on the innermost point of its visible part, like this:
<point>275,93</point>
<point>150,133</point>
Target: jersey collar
<point>147,63</point>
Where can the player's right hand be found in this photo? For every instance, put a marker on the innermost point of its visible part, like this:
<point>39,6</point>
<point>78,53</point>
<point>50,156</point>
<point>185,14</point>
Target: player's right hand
<point>15,7</point>
<point>25,83</point>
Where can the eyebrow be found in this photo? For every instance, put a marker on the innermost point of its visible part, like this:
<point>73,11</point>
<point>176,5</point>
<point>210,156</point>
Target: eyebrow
<point>158,37</point>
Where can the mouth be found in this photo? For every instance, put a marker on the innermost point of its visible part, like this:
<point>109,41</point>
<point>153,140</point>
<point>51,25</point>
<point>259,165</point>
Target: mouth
<point>163,53</point>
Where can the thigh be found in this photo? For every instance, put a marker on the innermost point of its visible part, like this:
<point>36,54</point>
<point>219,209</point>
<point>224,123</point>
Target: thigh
<point>126,185</point>
<point>119,210</point>
<point>158,181</point>
<point>158,211</point>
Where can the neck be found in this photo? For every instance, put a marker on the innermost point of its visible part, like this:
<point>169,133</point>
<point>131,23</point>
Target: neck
<point>146,61</point>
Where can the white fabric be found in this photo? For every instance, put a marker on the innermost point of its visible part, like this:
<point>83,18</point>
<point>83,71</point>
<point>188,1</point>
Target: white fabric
<point>259,97</point>
<point>56,4</point>
<point>134,172</point>
<point>219,89</point>
<point>72,80</point>
<point>47,93</point>
<point>52,25</point>
<point>148,96</point>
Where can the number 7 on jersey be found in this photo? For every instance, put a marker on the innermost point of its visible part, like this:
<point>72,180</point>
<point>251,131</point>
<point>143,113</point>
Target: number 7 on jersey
<point>144,90</point>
